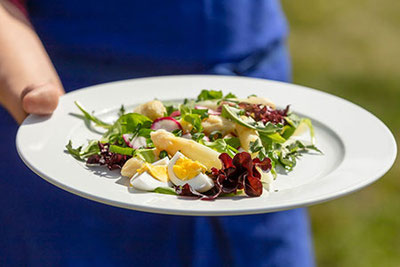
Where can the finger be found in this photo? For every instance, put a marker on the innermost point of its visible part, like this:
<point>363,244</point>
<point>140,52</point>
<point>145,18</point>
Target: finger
<point>40,100</point>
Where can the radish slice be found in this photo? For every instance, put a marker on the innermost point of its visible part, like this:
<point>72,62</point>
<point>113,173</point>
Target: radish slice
<point>127,138</point>
<point>167,123</point>
<point>213,112</point>
<point>200,107</point>
<point>175,113</point>
<point>137,142</point>
<point>205,138</point>
<point>209,111</point>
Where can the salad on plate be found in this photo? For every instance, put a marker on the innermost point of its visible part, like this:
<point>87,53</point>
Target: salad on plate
<point>213,146</point>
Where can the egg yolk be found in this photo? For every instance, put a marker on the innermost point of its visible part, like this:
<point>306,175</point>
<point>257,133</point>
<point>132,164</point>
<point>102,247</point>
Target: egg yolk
<point>186,169</point>
<point>158,172</point>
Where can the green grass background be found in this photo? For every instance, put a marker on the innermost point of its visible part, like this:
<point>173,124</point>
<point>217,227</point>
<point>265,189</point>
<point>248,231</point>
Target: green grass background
<point>352,49</point>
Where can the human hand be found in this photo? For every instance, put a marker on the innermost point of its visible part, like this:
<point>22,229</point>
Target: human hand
<point>29,84</point>
<point>39,100</point>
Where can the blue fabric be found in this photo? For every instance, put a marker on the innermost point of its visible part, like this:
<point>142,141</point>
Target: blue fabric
<point>42,225</point>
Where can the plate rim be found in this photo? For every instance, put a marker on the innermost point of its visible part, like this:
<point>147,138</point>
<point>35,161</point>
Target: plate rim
<point>173,211</point>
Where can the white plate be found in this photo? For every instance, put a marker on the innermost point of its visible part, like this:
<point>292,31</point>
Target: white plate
<point>358,148</point>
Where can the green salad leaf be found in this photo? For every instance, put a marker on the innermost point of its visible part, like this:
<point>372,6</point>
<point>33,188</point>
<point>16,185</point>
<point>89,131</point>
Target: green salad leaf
<point>170,109</point>
<point>213,95</point>
<point>147,154</point>
<point>209,95</point>
<point>81,153</point>
<point>122,150</point>
<point>286,156</point>
<point>235,114</point>
<point>75,152</point>
<point>222,146</point>
<point>91,149</point>
<point>257,147</point>
<point>91,117</point>
<point>127,123</point>
<point>193,116</point>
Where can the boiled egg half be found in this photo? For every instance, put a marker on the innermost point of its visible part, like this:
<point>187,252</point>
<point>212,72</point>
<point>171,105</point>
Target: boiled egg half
<point>150,176</point>
<point>182,170</point>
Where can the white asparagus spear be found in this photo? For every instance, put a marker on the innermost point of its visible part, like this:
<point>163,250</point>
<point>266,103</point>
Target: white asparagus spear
<point>246,135</point>
<point>164,140</point>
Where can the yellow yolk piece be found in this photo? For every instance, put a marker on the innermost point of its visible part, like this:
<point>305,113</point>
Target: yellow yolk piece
<point>158,172</point>
<point>186,169</point>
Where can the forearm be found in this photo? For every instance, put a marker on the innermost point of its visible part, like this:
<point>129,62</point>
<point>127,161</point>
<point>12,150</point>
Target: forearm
<point>23,60</point>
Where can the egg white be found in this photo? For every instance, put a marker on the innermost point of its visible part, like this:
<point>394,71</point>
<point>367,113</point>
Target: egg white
<point>145,182</point>
<point>200,183</point>
<point>266,179</point>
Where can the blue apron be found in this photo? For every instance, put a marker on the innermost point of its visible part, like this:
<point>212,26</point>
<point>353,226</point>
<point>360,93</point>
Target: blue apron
<point>92,43</point>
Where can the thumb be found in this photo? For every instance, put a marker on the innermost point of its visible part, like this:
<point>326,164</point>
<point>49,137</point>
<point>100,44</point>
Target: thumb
<point>40,100</point>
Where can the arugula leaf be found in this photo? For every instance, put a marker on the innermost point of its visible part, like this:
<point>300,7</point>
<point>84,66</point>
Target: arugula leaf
<point>234,114</point>
<point>271,137</point>
<point>75,152</point>
<point>257,147</point>
<point>81,153</point>
<point>127,123</point>
<point>91,149</point>
<point>213,95</point>
<point>145,132</point>
<point>296,122</point>
<point>209,95</point>
<point>202,112</point>
<point>287,156</point>
<point>195,120</point>
<point>198,137</point>
<point>165,190</point>
<point>233,142</point>
<point>91,117</point>
<point>221,146</point>
<point>230,95</point>
<point>191,117</point>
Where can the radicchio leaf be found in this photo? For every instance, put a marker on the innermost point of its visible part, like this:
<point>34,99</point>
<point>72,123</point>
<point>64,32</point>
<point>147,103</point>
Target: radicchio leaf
<point>111,160</point>
<point>265,113</point>
<point>236,174</point>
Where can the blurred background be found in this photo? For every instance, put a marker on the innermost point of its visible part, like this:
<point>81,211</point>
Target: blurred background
<point>351,49</point>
